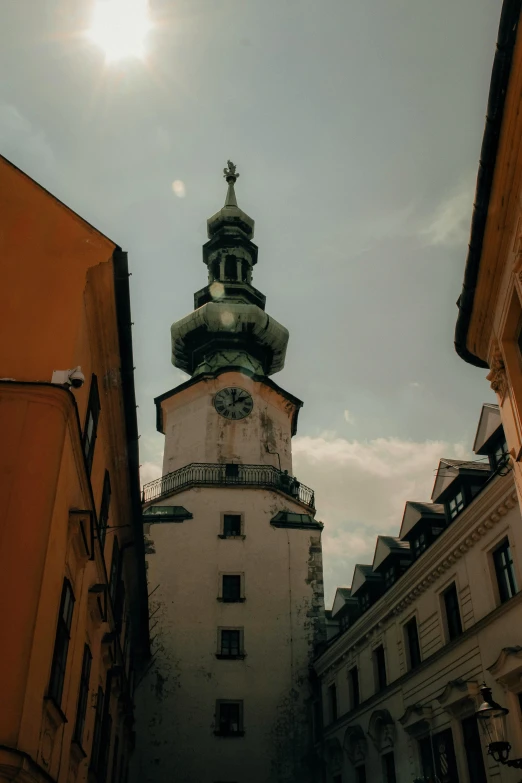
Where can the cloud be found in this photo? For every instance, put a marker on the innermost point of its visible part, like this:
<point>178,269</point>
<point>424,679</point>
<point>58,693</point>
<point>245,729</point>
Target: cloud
<point>348,417</point>
<point>450,223</point>
<point>361,488</point>
<point>149,471</point>
<point>18,133</point>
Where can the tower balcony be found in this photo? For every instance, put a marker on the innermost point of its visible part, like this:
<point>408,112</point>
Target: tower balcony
<point>207,474</point>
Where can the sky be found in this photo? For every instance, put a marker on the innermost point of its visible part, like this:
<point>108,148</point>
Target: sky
<point>356,127</point>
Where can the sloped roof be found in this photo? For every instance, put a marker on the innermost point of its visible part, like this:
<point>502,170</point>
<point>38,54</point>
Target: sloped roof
<point>361,575</point>
<point>448,471</point>
<point>386,546</point>
<point>489,423</point>
<point>342,594</point>
<point>415,511</point>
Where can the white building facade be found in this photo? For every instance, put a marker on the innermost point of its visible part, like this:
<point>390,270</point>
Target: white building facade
<point>234,549</point>
<point>437,613</point>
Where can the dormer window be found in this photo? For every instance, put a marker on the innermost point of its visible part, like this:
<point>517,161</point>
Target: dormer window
<point>456,504</point>
<point>500,453</point>
<point>420,544</point>
<point>389,577</point>
<point>364,601</point>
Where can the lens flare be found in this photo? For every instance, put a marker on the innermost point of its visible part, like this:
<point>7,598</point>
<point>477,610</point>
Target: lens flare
<point>217,289</point>
<point>120,27</point>
<point>178,187</point>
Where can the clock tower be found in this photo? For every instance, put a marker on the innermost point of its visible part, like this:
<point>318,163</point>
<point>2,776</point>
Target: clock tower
<point>233,546</point>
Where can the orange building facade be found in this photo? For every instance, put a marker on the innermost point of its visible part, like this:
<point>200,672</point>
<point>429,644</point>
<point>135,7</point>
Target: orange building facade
<point>73,595</point>
<point>489,326</point>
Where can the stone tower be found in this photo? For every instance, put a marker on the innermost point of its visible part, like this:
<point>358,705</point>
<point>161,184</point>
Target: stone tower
<point>234,551</point>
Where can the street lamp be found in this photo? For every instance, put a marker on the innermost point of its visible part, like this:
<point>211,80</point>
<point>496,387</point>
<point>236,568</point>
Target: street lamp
<point>491,718</point>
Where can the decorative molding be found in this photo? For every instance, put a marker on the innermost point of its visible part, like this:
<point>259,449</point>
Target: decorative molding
<point>507,669</point>
<point>355,744</point>
<point>381,730</point>
<point>497,374</point>
<point>458,696</point>
<point>416,719</point>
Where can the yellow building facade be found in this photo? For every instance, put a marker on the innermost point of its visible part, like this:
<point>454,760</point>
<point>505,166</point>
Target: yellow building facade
<point>73,591</point>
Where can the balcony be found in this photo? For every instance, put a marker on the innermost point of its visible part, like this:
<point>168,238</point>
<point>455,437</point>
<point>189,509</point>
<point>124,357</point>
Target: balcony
<point>201,474</point>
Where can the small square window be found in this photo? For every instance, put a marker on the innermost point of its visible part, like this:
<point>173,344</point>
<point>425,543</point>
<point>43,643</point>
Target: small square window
<point>230,643</point>
<point>231,525</point>
<point>231,588</point>
<point>229,718</point>
<point>456,504</point>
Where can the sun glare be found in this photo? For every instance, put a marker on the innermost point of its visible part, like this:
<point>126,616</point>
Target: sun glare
<point>120,27</point>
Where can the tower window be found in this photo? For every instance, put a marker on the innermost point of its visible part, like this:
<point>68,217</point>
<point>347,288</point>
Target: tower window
<point>230,643</point>
<point>231,588</point>
<point>231,268</point>
<point>229,718</point>
<point>231,525</point>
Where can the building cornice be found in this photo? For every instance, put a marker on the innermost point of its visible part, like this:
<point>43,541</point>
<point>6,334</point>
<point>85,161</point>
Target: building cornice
<point>471,525</point>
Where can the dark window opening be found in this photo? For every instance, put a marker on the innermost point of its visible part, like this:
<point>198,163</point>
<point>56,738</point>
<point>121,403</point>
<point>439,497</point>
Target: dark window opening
<point>230,718</point>
<point>61,644</point>
<point>231,525</point>
<point>379,665</point>
<point>317,721</point>
<point>473,748</point>
<point>388,765</point>
<point>231,643</point>
<point>360,774</point>
<point>231,588</point>
<point>103,519</point>
<point>456,504</point>
<point>440,750</point>
<point>504,569</point>
<point>332,701</point>
<point>412,637</point>
<point>389,577</point>
<point>420,544</point>
<point>364,602</point>
<point>231,470</point>
<point>115,571</point>
<point>91,423</point>
<point>83,695</point>
<point>338,779</point>
<point>96,739</point>
<point>231,268</point>
<point>451,604</point>
<point>114,770</point>
<point>353,687</point>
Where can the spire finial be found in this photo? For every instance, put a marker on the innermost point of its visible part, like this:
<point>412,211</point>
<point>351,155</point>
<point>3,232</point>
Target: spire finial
<point>230,176</point>
<point>230,173</point>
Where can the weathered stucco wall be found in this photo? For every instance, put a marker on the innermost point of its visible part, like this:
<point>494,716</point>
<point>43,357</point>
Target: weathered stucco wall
<point>195,432</point>
<point>281,617</point>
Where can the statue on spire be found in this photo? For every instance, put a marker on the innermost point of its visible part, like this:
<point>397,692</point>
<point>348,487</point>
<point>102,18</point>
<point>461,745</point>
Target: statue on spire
<point>230,173</point>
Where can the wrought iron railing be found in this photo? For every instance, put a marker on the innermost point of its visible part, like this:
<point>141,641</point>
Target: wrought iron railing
<point>201,474</point>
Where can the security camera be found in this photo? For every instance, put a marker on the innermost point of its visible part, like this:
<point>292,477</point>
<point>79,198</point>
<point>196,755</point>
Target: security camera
<point>74,377</point>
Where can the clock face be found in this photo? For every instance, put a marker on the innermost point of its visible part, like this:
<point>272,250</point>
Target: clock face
<point>233,403</point>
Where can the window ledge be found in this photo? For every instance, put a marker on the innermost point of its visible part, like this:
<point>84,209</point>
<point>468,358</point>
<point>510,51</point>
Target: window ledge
<point>223,657</point>
<point>55,708</point>
<point>231,600</point>
<point>229,734</point>
<point>233,538</point>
